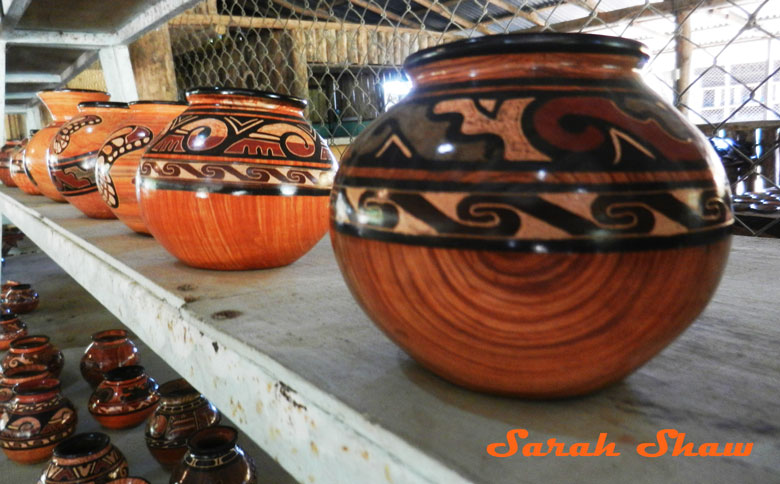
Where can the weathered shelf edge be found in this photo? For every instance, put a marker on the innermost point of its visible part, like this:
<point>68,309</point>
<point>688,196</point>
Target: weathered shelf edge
<point>314,436</point>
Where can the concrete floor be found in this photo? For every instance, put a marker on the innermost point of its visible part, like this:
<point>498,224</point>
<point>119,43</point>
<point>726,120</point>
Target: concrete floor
<point>69,315</point>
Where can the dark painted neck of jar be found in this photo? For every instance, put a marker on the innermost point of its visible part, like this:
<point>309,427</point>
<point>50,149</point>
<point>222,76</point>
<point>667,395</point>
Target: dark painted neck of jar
<point>103,107</point>
<point>29,344</point>
<point>37,391</point>
<point>82,448</point>
<point>212,442</point>
<point>124,375</point>
<point>177,392</point>
<point>8,318</point>
<point>110,337</point>
<point>255,102</point>
<point>22,374</point>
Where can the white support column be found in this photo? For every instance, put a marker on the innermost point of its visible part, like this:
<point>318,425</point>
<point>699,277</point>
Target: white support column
<point>32,118</point>
<point>2,93</point>
<point>118,71</point>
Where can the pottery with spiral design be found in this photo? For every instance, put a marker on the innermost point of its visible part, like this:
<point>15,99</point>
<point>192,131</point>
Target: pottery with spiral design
<point>33,350</point>
<point>88,458</point>
<point>532,219</point>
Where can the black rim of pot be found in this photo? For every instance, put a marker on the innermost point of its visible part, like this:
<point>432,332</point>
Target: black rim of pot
<point>233,91</point>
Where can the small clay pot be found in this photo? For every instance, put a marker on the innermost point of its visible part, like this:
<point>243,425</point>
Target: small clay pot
<point>125,398</point>
<point>37,419</point>
<point>11,327</point>
<point>63,106</point>
<point>182,411</point>
<point>213,456</point>
<point>34,350</point>
<point>19,172</point>
<point>109,349</point>
<point>85,459</point>
<point>74,152</point>
<point>20,299</point>
<point>5,162</point>
<point>15,376</point>
<point>120,155</point>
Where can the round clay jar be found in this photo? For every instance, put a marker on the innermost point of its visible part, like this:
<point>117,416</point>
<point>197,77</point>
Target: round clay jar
<point>11,327</point>
<point>85,459</point>
<point>120,155</point>
<point>238,181</point>
<point>19,299</point>
<point>36,419</point>
<point>33,350</point>
<point>182,411</point>
<point>63,106</point>
<point>532,219</point>
<point>74,152</point>
<point>125,398</point>
<point>19,173</point>
<point>5,162</point>
<point>109,349</point>
<point>213,456</point>
<point>15,376</point>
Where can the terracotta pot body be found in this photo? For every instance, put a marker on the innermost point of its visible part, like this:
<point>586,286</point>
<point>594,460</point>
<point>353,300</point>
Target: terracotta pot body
<point>5,162</point>
<point>74,152</point>
<point>238,181</point>
<point>125,398</point>
<point>120,155</point>
<point>213,456</point>
<point>33,350</point>
<point>11,327</point>
<point>517,221</point>
<point>37,419</point>
<point>85,459</point>
<point>109,349</point>
<point>182,411</point>
<point>15,376</point>
<point>63,106</point>
<point>20,299</point>
<point>19,172</point>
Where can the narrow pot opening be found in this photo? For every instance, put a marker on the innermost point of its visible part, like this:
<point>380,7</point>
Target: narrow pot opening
<point>178,389</point>
<point>81,445</point>
<point>124,373</point>
<point>110,336</point>
<point>29,342</point>
<point>8,317</point>
<point>245,93</point>
<point>212,441</point>
<point>20,287</point>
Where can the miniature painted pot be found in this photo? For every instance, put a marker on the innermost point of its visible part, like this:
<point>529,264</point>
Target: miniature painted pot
<point>15,376</point>
<point>74,152</point>
<point>11,327</point>
<point>20,299</point>
<point>182,411</point>
<point>85,459</point>
<point>33,350</point>
<point>213,456</point>
<point>120,155</point>
<point>515,223</point>
<point>125,398</point>
<point>37,419</point>
<point>245,167</point>
<point>5,162</point>
<point>109,349</point>
<point>63,106</point>
<point>19,172</point>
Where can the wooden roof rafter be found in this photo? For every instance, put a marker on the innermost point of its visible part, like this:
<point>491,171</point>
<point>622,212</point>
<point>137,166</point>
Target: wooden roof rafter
<point>458,20</point>
<point>384,12</point>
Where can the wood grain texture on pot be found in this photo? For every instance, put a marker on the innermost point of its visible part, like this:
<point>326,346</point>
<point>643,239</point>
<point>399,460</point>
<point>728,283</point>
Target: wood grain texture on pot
<point>532,231</point>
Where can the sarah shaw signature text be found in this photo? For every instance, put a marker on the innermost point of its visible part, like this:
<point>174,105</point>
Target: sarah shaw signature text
<point>668,441</point>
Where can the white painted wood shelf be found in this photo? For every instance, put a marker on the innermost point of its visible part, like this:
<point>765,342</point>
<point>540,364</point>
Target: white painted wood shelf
<point>292,359</point>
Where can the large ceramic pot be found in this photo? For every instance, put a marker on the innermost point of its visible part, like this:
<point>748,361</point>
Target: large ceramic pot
<point>33,350</point>
<point>532,219</point>
<point>182,411</point>
<point>15,376</point>
<point>109,349</point>
<point>19,299</point>
<point>63,106</point>
<point>19,173</point>
<point>74,152</point>
<point>238,181</point>
<point>125,398</point>
<point>37,419</point>
<point>213,456</point>
<point>5,162</point>
<point>120,155</point>
<point>85,459</point>
<point>11,327</point>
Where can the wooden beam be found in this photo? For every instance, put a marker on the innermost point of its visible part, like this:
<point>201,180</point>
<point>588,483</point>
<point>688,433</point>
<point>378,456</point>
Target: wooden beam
<point>118,72</point>
<point>447,13</point>
<point>369,5</point>
<point>683,52</point>
<point>153,67</point>
<point>516,11</point>
<point>305,11</point>
<point>155,15</point>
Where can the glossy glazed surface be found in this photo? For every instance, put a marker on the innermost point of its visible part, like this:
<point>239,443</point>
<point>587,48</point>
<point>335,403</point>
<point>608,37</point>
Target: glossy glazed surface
<point>37,419</point>
<point>85,459</point>
<point>124,399</point>
<point>74,152</point>
<point>120,155</point>
<point>11,327</point>
<point>536,224</point>
<point>14,376</point>
<point>63,105</point>
<point>237,182</point>
<point>182,411</point>
<point>5,163</point>
<point>213,456</point>
<point>34,350</point>
<point>19,299</point>
<point>19,173</point>
<point>109,349</point>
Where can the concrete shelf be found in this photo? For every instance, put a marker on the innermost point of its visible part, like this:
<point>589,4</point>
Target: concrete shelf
<point>289,356</point>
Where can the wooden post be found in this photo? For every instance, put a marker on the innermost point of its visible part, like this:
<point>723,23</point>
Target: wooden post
<point>683,52</point>
<point>300,64</point>
<point>118,71</point>
<point>152,59</point>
